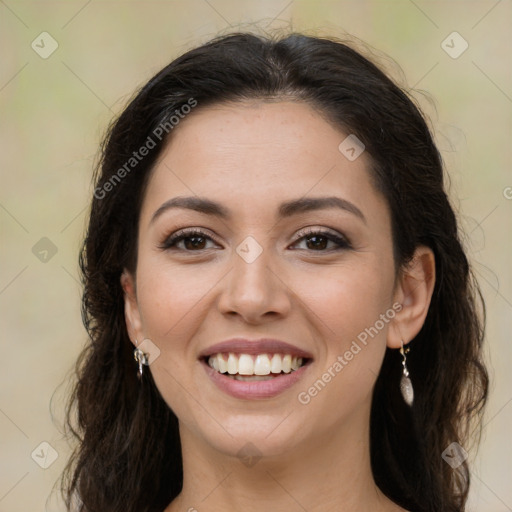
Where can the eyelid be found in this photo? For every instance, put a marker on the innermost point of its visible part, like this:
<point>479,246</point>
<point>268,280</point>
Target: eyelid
<point>319,230</point>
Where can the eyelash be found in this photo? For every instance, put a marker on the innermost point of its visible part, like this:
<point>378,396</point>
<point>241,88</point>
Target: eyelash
<point>171,241</point>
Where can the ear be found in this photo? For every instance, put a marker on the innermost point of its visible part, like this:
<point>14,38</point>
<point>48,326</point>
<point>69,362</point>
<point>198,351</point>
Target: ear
<point>414,288</point>
<point>131,308</point>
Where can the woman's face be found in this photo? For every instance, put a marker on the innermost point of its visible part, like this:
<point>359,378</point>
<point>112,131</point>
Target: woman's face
<point>317,276</point>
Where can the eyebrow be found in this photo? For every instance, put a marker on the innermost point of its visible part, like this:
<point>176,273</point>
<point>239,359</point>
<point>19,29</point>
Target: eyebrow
<point>286,209</point>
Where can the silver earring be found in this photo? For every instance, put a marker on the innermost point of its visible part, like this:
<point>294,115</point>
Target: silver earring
<point>405,381</point>
<point>141,358</point>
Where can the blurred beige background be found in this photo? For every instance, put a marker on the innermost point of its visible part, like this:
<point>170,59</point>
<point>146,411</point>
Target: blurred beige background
<point>55,106</point>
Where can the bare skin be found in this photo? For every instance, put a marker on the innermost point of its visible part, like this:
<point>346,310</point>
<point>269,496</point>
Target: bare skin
<point>250,157</point>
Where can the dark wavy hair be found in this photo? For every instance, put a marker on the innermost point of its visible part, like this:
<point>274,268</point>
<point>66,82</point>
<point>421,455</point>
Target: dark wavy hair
<point>128,453</point>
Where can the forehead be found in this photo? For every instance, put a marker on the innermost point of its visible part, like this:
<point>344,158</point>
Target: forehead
<point>254,154</point>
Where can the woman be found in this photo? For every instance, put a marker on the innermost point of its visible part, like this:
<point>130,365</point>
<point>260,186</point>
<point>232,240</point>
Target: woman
<point>280,310</point>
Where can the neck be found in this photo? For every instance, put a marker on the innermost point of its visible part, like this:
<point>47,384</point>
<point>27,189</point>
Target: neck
<point>331,473</point>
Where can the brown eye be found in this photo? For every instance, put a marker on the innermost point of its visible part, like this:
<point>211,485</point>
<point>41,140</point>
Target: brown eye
<point>319,241</point>
<point>193,241</point>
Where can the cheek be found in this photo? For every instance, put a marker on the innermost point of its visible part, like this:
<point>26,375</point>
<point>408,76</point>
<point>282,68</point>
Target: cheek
<point>353,315</point>
<point>170,297</point>
<point>348,300</point>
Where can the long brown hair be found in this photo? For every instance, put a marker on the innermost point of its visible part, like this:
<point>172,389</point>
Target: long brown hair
<point>128,454</point>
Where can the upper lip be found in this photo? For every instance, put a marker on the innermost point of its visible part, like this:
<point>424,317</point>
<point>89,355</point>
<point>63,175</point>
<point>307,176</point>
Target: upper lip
<point>254,347</point>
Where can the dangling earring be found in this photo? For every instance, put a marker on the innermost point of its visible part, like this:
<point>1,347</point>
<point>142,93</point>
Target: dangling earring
<point>141,358</point>
<point>405,381</point>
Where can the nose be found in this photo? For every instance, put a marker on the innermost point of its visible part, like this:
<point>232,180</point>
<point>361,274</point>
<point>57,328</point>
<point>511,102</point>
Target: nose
<point>254,290</point>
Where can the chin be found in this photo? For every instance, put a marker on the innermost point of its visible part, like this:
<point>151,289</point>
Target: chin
<point>254,435</point>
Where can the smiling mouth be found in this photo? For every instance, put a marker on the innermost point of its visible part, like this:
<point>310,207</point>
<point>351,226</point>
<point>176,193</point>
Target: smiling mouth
<point>252,368</point>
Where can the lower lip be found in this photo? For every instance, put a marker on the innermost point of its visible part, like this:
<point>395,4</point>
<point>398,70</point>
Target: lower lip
<point>254,390</point>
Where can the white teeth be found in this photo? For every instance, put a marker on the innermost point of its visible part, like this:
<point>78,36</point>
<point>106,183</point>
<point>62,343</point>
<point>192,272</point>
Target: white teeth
<point>260,365</point>
<point>275,364</point>
<point>286,366</point>
<point>245,365</point>
<point>232,364</point>
<point>222,364</point>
